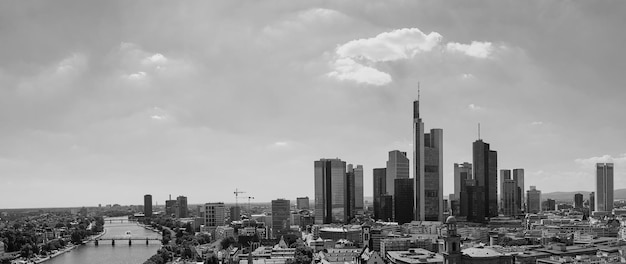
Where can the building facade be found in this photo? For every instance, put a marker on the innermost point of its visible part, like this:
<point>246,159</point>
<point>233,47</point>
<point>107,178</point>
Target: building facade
<point>397,168</point>
<point>518,176</point>
<point>578,200</point>
<point>302,203</point>
<point>214,214</point>
<point>533,200</point>
<point>280,217</point>
<point>330,186</point>
<point>604,187</point>
<point>485,176</point>
<point>428,170</point>
<point>403,200</point>
<point>147,205</point>
<point>380,185</point>
<point>182,210</point>
<point>462,173</point>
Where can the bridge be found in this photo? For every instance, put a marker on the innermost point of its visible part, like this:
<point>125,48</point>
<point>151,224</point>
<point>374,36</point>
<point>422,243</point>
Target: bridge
<point>119,220</point>
<point>126,238</point>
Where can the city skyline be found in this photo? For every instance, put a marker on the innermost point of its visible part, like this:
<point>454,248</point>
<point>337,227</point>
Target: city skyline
<point>232,96</point>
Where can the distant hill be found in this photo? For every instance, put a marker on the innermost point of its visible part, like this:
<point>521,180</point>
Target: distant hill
<point>569,196</point>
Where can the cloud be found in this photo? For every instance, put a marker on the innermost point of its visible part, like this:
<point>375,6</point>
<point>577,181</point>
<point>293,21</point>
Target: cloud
<point>158,117</point>
<point>137,76</point>
<point>476,49</point>
<point>390,46</point>
<point>536,123</point>
<point>157,58</point>
<point>348,69</point>
<point>474,107</point>
<point>591,162</point>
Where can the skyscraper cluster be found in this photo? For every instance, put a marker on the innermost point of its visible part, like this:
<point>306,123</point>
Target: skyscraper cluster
<point>336,188</point>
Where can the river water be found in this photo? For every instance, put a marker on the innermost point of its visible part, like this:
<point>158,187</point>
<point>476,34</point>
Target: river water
<point>121,253</point>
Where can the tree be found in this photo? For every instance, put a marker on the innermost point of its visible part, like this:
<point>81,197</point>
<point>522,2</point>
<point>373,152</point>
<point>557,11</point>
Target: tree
<point>227,242</point>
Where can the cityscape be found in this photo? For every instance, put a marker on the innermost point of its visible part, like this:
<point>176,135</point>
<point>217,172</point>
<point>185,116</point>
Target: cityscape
<point>206,133</point>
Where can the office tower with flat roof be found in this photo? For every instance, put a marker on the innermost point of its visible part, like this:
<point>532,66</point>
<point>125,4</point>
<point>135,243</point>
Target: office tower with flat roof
<point>386,205</point>
<point>534,200</point>
<point>302,203</point>
<point>428,170</point>
<point>380,185</point>
<point>403,200</point>
<point>356,188</point>
<point>462,173</point>
<point>578,200</point>
<point>604,187</point>
<point>235,213</point>
<point>214,214</point>
<point>486,176</point>
<point>592,201</point>
<point>504,174</point>
<point>397,168</point>
<point>182,210</point>
<point>518,176</point>
<point>511,197</point>
<point>350,192</point>
<point>330,188</point>
<point>147,205</point>
<point>280,217</point>
<point>170,207</point>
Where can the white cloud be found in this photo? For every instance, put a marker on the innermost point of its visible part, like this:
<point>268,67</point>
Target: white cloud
<point>536,123</point>
<point>474,107</point>
<point>390,46</point>
<point>137,76</point>
<point>157,58</point>
<point>348,69</point>
<point>281,144</point>
<point>467,76</point>
<point>476,49</point>
<point>591,162</point>
<point>158,117</point>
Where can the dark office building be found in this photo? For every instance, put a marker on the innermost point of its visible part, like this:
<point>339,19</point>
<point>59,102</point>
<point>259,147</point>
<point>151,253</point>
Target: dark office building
<point>578,200</point>
<point>486,176</point>
<point>403,200</point>
<point>280,217</point>
<point>380,175</point>
<point>302,203</point>
<point>331,200</point>
<point>182,210</point>
<point>386,208</point>
<point>147,205</point>
<point>170,207</point>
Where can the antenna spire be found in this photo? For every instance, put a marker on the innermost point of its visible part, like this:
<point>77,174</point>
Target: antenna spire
<point>418,91</point>
<point>478,131</point>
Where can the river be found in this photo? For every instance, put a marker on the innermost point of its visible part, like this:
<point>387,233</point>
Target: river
<point>121,253</point>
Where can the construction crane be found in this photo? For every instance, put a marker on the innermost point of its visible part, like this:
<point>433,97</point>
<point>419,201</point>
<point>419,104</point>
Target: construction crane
<point>237,192</point>
<point>249,212</point>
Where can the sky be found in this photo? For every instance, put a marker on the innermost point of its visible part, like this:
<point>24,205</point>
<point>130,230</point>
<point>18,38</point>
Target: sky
<point>102,102</point>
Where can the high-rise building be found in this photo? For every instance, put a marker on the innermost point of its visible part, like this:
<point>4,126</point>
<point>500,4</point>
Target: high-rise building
<point>485,173</point>
<point>380,185</point>
<point>578,200</point>
<point>354,189</point>
<point>147,205</point>
<point>462,172</point>
<point>214,214</point>
<point>511,197</point>
<point>330,187</point>
<point>504,174</point>
<point>183,211</point>
<point>397,168</point>
<point>386,205</point>
<point>518,176</point>
<point>403,200</point>
<point>358,189</point>
<point>235,213</point>
<point>592,201</point>
<point>533,202</point>
<point>604,187</point>
<point>549,205</point>
<point>170,207</point>
<point>428,170</point>
<point>280,217</point>
<point>302,203</point>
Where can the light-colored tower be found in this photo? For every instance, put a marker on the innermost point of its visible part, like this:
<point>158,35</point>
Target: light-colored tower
<point>330,188</point>
<point>397,168</point>
<point>428,170</point>
<point>604,187</point>
<point>214,214</point>
<point>518,176</point>
<point>358,189</point>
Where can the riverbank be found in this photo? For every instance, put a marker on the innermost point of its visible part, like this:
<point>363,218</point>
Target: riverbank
<point>56,253</point>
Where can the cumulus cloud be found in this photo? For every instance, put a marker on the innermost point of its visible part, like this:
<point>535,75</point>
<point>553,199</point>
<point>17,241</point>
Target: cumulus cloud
<point>591,162</point>
<point>157,58</point>
<point>137,76</point>
<point>389,46</point>
<point>348,69</point>
<point>476,49</point>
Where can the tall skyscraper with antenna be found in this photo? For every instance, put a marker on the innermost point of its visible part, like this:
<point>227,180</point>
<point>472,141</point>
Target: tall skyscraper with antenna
<point>427,169</point>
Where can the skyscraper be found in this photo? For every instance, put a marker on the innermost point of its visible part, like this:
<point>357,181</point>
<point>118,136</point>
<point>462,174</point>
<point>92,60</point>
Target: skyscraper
<point>182,211</point>
<point>235,213</point>
<point>397,168</point>
<point>403,200</point>
<point>504,174</point>
<point>518,176</point>
<point>380,185</point>
<point>350,192</point>
<point>330,187</point>
<point>604,187</point>
<point>428,170</point>
<point>511,197</point>
<point>592,201</point>
<point>578,200</point>
<point>147,205</point>
<point>358,189</point>
<point>462,173</point>
<point>280,217</point>
<point>534,200</point>
<point>485,174</point>
<point>170,207</point>
<point>302,203</point>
